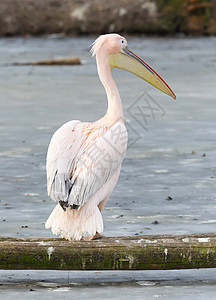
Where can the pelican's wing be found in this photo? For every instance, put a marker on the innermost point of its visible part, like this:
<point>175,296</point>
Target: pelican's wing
<point>81,158</point>
<point>63,148</point>
<point>97,161</point>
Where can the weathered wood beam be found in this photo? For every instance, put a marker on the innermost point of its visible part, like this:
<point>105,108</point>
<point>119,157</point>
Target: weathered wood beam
<point>52,62</point>
<point>161,252</point>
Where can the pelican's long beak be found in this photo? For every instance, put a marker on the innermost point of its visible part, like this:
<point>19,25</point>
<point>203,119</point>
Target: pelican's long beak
<point>129,61</point>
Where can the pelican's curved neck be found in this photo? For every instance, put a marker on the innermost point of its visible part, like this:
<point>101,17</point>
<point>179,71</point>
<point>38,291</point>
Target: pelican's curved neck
<point>114,111</point>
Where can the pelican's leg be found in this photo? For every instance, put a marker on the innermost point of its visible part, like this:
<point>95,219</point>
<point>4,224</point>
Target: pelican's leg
<point>102,203</point>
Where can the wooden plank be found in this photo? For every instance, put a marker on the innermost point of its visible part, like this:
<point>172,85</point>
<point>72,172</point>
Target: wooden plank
<point>161,252</point>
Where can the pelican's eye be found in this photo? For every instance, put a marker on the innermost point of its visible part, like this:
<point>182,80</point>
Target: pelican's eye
<point>123,43</point>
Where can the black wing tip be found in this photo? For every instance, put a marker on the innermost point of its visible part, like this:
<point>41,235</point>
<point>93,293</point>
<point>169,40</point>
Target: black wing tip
<point>65,204</point>
<point>74,206</point>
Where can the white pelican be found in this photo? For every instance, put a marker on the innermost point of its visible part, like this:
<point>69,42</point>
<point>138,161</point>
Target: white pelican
<point>84,159</point>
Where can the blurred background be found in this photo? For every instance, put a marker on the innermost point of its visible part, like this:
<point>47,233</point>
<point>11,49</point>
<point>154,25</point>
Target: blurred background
<point>29,17</point>
<point>168,178</point>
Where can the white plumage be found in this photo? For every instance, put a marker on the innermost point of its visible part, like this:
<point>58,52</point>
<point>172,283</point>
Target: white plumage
<point>84,159</point>
<point>83,165</point>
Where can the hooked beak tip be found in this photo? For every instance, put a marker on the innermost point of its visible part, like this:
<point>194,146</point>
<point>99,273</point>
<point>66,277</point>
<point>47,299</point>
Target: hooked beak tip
<point>173,96</point>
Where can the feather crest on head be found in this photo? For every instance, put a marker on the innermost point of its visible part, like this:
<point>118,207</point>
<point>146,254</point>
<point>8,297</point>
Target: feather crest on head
<point>97,44</point>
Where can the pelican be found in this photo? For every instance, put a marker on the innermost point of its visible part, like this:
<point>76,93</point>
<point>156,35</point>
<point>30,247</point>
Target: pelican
<point>84,159</point>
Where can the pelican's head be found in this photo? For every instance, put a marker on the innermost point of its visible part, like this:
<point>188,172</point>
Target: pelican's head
<point>120,56</point>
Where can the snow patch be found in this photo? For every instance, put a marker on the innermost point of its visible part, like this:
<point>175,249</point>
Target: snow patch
<point>203,240</point>
<point>186,240</point>
<point>131,261</point>
<point>146,241</point>
<point>62,289</point>
<point>43,243</point>
<point>208,222</point>
<point>31,194</point>
<point>166,253</point>
<point>50,251</point>
<point>145,283</point>
<point>161,171</point>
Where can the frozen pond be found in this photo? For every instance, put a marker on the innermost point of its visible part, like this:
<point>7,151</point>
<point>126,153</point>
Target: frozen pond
<point>169,285</point>
<point>106,285</point>
<point>169,173</point>
<point>175,157</point>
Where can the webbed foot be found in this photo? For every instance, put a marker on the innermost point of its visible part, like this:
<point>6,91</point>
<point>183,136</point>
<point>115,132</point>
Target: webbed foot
<point>93,237</point>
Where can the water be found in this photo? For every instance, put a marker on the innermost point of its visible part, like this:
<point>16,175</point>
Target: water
<point>174,155</point>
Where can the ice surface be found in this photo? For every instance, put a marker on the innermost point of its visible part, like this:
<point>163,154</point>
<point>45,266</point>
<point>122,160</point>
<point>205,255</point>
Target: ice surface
<point>174,155</point>
<point>168,179</point>
<point>178,284</point>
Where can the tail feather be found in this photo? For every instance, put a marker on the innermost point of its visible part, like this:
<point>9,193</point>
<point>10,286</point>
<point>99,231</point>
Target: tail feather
<point>73,224</point>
